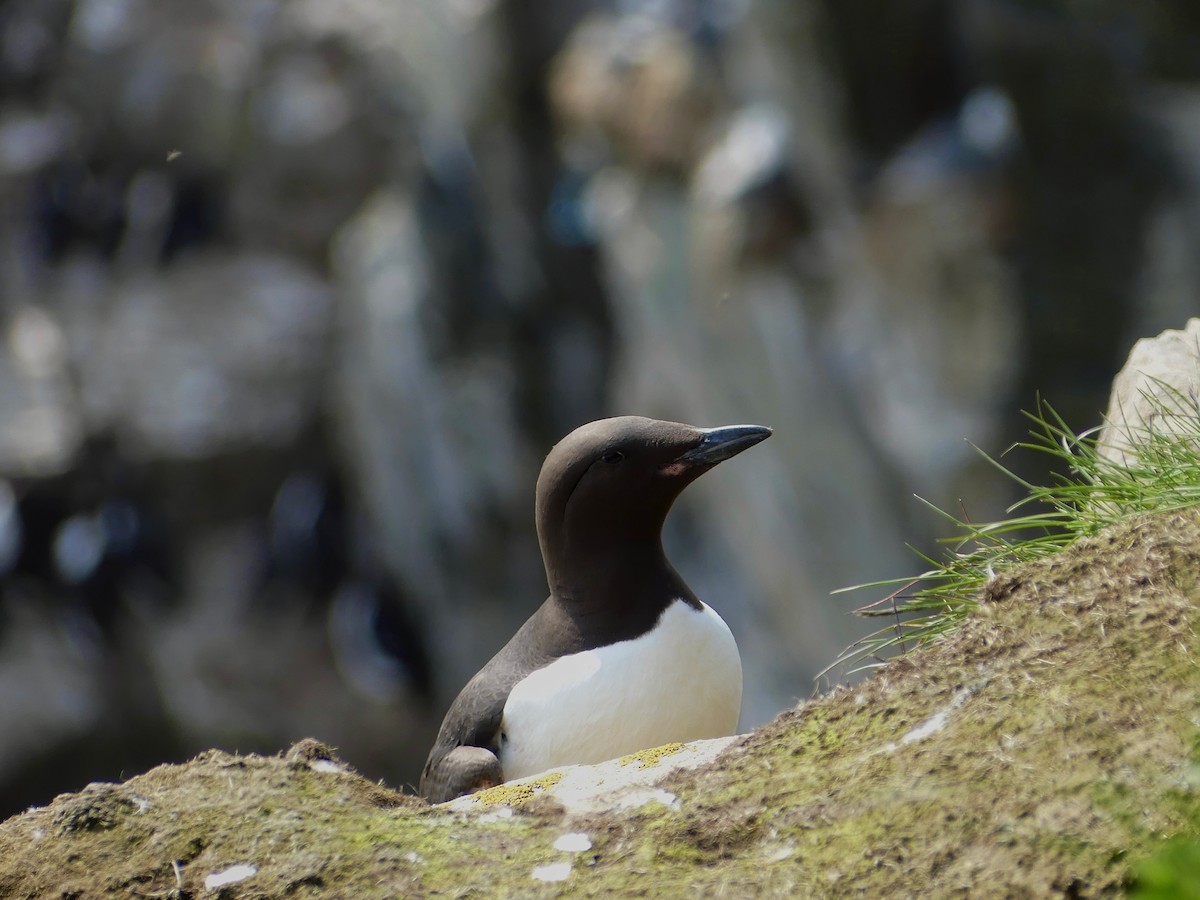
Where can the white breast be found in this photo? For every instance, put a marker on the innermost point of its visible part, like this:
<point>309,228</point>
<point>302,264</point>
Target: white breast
<point>681,681</point>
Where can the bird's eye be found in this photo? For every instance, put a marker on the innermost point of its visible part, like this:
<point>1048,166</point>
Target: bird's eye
<point>613,456</point>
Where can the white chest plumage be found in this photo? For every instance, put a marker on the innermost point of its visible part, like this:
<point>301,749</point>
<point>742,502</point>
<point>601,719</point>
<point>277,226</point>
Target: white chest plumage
<point>681,681</point>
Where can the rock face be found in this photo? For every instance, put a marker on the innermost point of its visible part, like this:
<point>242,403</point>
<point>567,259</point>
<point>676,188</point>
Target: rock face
<point>1043,748</point>
<point>1157,390</point>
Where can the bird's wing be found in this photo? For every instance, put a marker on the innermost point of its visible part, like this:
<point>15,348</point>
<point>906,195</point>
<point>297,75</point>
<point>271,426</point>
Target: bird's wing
<point>455,765</point>
<point>463,758</point>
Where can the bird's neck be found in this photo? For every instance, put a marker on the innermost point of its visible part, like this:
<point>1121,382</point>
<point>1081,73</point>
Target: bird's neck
<point>607,576</point>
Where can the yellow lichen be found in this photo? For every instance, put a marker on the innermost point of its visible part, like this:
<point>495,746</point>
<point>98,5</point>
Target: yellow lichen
<point>647,759</point>
<point>516,794</point>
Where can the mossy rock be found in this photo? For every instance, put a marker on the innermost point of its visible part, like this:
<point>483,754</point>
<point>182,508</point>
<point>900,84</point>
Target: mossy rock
<point>1048,746</point>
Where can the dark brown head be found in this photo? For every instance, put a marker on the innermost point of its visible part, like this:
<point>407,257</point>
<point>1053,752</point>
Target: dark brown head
<point>606,488</point>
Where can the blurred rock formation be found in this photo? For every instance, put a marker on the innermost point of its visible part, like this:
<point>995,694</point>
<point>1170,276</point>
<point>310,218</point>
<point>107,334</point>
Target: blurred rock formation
<point>295,296</point>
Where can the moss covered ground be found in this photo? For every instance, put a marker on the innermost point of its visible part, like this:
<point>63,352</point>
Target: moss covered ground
<point>1047,747</point>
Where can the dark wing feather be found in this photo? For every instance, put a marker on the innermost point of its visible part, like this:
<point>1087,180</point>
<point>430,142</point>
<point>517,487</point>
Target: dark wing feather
<point>473,720</point>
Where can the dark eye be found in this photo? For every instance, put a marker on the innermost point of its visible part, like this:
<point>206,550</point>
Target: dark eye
<point>613,456</point>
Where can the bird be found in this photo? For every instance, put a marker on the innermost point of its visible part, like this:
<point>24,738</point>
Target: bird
<point>622,655</point>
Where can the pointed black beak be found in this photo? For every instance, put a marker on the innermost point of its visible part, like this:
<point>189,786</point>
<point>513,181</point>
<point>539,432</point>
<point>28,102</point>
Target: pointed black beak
<point>719,444</point>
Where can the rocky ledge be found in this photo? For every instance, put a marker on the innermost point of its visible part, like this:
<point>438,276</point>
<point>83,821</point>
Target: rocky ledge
<point>1043,748</point>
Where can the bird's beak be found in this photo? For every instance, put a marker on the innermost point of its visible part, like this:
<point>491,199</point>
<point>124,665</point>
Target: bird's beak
<point>719,444</point>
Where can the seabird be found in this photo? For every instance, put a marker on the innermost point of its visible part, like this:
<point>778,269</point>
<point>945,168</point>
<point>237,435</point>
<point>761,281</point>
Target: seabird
<point>622,655</point>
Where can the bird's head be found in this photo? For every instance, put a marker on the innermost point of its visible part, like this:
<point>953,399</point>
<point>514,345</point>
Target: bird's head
<point>607,486</point>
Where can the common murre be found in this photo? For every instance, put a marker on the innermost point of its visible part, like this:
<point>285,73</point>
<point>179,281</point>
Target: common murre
<point>622,655</point>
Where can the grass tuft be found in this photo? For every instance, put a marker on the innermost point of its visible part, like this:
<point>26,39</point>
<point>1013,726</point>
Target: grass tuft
<point>1149,467</point>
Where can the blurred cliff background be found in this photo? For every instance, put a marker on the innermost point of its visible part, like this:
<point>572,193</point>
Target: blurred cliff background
<point>296,294</point>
